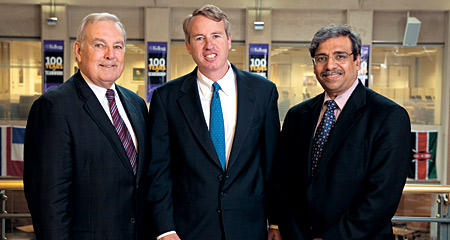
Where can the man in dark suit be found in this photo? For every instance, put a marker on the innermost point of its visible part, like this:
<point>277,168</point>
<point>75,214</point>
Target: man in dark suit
<point>343,183</point>
<point>83,178</point>
<point>203,188</point>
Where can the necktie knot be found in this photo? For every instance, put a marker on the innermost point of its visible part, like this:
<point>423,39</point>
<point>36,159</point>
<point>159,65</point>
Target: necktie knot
<point>216,89</point>
<point>110,95</point>
<point>331,104</point>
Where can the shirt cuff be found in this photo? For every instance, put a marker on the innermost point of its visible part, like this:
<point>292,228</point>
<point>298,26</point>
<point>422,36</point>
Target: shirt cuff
<point>165,234</point>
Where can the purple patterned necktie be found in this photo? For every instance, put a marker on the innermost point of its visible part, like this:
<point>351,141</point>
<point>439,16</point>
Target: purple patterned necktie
<point>322,132</point>
<point>122,130</point>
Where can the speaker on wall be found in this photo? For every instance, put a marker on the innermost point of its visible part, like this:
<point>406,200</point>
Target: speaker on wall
<point>411,31</point>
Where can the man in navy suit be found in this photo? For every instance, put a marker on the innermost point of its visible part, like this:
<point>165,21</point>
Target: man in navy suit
<point>344,183</point>
<point>193,195</point>
<point>81,180</point>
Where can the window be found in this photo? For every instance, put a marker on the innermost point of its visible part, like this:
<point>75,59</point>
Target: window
<point>20,77</point>
<point>291,69</point>
<point>412,77</point>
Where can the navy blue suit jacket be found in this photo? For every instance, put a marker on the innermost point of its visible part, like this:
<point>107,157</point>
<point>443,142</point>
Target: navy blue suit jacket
<point>189,192</point>
<point>359,179</point>
<point>78,180</point>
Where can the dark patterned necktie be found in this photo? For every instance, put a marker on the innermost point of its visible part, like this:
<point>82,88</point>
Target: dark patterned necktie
<point>216,126</point>
<point>322,132</point>
<point>122,130</point>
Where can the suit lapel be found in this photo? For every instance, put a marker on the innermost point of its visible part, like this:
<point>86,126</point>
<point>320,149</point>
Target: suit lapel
<point>246,100</point>
<point>191,107</point>
<point>97,113</point>
<point>344,125</point>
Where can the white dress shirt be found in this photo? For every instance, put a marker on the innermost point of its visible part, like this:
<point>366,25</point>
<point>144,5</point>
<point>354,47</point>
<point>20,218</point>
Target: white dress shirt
<point>100,93</point>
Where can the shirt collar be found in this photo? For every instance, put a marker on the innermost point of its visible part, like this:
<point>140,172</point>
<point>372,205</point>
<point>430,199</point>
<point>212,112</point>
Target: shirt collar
<point>227,83</point>
<point>100,92</point>
<point>342,99</point>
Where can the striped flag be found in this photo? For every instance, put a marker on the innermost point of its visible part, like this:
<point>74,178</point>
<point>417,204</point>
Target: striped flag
<point>11,141</point>
<point>423,164</point>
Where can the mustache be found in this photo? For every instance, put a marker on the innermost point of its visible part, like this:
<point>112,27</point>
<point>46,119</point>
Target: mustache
<point>331,72</point>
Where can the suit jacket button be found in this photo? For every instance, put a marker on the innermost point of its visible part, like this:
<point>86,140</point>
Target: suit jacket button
<point>132,220</point>
<point>223,194</point>
<point>219,210</point>
<point>220,177</point>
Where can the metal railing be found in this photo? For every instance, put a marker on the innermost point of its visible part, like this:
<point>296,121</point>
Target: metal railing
<point>9,184</point>
<point>442,218</point>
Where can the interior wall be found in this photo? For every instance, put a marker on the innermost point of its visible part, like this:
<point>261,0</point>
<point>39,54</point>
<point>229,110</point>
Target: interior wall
<point>389,26</point>
<point>131,17</point>
<point>27,25</point>
<point>300,25</point>
<point>288,25</point>
<point>279,4</point>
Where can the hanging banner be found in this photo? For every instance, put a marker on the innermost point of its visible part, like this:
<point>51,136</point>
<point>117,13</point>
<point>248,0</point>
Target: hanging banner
<point>53,63</point>
<point>363,73</point>
<point>423,163</point>
<point>259,58</point>
<point>157,66</point>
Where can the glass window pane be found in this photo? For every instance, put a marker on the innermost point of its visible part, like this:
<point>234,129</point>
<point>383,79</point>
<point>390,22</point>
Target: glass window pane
<point>412,77</point>
<point>291,69</point>
<point>20,77</point>
<point>181,63</point>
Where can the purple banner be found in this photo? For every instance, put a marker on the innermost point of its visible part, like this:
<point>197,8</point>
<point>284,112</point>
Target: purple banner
<point>363,73</point>
<point>157,66</point>
<point>53,63</point>
<point>259,58</point>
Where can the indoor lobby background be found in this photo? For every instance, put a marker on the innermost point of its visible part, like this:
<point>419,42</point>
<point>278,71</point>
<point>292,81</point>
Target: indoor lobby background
<point>416,77</point>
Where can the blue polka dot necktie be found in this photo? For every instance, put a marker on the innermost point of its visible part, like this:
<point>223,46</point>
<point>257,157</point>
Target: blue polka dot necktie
<point>122,130</point>
<point>216,126</point>
<point>322,132</point>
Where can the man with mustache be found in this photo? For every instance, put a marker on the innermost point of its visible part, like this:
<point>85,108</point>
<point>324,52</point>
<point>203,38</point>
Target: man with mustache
<point>343,155</point>
<point>85,146</point>
<point>208,184</point>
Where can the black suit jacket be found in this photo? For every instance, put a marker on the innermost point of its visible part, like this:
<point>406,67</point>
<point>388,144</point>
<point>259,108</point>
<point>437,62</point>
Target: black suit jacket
<point>359,179</point>
<point>189,192</point>
<point>78,180</point>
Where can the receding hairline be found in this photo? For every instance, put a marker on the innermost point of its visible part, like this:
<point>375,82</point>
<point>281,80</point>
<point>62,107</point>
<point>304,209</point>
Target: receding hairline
<point>95,18</point>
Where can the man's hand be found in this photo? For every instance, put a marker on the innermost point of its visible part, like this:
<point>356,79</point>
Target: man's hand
<point>317,239</point>
<point>172,236</point>
<point>274,234</point>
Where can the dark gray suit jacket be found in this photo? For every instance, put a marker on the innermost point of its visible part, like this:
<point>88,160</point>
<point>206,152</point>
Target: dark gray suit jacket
<point>78,180</point>
<point>359,179</point>
<point>189,192</point>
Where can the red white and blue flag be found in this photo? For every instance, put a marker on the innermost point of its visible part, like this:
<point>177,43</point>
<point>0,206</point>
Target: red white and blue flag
<point>11,141</point>
<point>423,164</point>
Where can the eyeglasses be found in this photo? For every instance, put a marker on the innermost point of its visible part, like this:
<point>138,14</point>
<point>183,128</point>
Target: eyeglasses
<point>340,57</point>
